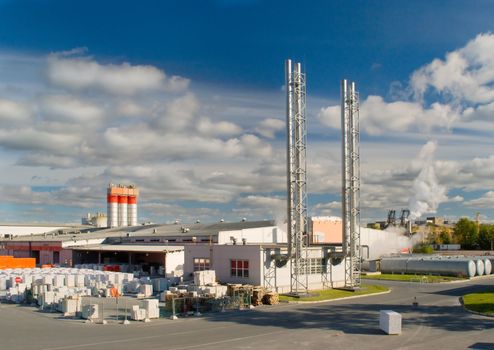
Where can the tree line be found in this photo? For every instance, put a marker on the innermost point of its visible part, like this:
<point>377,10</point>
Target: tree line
<point>469,234</point>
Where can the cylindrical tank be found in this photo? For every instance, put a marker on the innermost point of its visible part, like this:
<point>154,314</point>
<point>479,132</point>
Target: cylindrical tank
<point>466,268</point>
<point>394,265</point>
<point>479,263</point>
<point>491,259</point>
<point>479,266</point>
<point>487,266</point>
<point>451,267</point>
<point>132,210</point>
<point>112,211</point>
<point>122,211</point>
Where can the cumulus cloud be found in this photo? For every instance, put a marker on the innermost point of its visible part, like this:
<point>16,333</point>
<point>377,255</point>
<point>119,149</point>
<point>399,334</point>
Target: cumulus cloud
<point>84,73</point>
<point>269,127</point>
<point>461,86</point>
<point>485,201</point>
<point>13,114</point>
<point>327,209</point>
<point>465,74</point>
<point>378,117</point>
<point>69,109</point>
<point>136,124</point>
<point>262,206</point>
<point>209,128</point>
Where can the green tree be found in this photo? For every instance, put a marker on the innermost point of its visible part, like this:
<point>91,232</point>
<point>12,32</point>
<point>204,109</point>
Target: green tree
<point>466,233</point>
<point>486,237</point>
<point>445,237</point>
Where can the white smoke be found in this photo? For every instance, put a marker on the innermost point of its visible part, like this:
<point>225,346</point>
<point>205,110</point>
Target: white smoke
<point>392,240</point>
<point>427,192</point>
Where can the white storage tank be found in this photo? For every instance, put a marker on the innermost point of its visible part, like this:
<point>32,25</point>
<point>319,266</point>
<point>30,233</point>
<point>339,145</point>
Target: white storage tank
<point>450,267</point>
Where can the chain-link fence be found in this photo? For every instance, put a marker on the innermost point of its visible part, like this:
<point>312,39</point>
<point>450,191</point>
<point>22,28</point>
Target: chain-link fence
<point>112,310</point>
<point>127,308</point>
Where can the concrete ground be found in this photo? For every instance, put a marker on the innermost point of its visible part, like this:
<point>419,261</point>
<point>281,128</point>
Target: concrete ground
<point>439,322</point>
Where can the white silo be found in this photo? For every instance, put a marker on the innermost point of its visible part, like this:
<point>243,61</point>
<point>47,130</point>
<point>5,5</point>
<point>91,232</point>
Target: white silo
<point>122,210</point>
<point>112,209</point>
<point>132,210</point>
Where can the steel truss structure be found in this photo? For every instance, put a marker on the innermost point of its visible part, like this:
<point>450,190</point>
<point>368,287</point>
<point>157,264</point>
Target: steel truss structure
<point>351,183</point>
<point>297,223</point>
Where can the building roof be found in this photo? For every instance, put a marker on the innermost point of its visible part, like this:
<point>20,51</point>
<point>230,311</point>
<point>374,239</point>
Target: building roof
<point>155,230</point>
<point>131,248</point>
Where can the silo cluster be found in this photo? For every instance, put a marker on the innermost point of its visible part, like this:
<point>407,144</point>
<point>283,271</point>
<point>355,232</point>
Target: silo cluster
<point>122,205</point>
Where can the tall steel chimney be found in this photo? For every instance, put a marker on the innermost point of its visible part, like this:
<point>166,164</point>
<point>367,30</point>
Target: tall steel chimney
<point>296,176</point>
<point>350,131</point>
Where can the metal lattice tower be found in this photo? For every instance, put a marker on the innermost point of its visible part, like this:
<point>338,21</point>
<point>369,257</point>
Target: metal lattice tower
<point>297,223</point>
<point>351,183</point>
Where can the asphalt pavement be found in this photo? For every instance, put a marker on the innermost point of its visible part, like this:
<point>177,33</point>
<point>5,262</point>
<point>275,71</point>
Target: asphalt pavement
<point>438,322</point>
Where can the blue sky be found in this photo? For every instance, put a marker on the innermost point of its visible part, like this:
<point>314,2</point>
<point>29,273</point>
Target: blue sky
<point>196,89</point>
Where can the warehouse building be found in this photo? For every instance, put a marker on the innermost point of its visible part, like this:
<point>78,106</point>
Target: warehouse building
<point>243,252</point>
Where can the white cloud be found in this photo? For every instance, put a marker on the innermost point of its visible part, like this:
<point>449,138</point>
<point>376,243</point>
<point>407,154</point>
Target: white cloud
<point>465,74</point>
<point>485,201</point>
<point>378,117</point>
<point>30,139</point>
<point>269,127</point>
<point>327,209</point>
<point>208,128</point>
<point>253,146</point>
<point>68,109</point>
<point>13,114</point>
<point>179,113</point>
<point>267,207</point>
<point>82,73</point>
<point>226,147</point>
<point>462,86</point>
<point>130,108</point>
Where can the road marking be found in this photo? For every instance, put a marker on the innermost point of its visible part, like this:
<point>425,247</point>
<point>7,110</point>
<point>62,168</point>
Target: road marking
<point>130,339</point>
<point>228,340</point>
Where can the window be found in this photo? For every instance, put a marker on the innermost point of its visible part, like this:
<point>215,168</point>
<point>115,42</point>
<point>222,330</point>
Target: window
<point>314,266</point>
<point>155,240</point>
<point>201,264</point>
<point>239,268</point>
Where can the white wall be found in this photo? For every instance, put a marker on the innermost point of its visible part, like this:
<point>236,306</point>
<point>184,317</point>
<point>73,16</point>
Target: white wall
<point>270,234</point>
<point>335,276</point>
<point>174,264</point>
<point>221,255</point>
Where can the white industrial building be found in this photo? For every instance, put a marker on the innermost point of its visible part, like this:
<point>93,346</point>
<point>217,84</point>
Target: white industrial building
<point>261,264</point>
<point>243,252</point>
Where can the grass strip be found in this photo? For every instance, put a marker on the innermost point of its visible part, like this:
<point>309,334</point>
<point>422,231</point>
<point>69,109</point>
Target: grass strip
<point>412,278</point>
<point>480,302</point>
<point>330,294</point>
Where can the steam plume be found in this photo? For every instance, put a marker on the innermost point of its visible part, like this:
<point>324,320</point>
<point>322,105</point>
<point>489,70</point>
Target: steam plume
<point>427,192</point>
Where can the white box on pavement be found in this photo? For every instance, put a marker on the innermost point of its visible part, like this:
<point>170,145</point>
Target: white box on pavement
<point>390,321</point>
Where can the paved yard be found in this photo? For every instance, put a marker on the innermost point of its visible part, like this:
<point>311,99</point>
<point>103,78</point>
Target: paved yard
<point>439,322</point>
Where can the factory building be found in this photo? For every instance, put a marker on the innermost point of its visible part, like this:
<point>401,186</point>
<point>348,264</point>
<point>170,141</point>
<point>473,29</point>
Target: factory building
<point>325,229</point>
<point>242,252</point>
<point>16,230</point>
<point>122,205</point>
<point>45,252</point>
<point>97,220</point>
